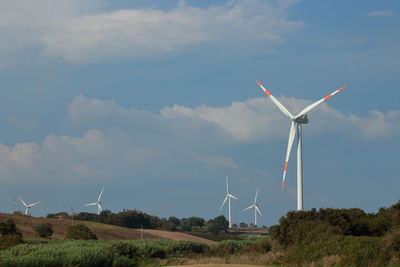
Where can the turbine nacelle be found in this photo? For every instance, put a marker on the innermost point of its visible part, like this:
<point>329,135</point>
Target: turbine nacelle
<point>303,119</point>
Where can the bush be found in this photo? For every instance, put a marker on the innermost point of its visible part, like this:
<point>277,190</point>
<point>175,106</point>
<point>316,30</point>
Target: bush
<point>80,231</point>
<point>393,240</point>
<point>229,247</point>
<point>260,246</point>
<point>44,229</point>
<point>8,227</point>
<point>349,251</point>
<point>10,240</point>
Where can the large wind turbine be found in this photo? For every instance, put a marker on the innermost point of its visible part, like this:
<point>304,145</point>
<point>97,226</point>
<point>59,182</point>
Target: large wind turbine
<point>297,121</point>
<point>28,207</point>
<point>256,209</point>
<point>228,197</point>
<point>97,203</point>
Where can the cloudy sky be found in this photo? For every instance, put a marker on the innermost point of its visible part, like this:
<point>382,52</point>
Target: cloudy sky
<point>157,100</point>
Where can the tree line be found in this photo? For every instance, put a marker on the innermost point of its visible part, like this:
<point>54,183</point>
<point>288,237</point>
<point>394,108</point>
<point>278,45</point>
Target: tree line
<point>137,219</point>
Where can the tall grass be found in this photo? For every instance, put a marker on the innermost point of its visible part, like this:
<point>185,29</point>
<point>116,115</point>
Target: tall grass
<point>94,253</point>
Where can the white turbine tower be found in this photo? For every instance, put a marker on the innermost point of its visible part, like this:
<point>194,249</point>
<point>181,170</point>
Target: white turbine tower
<point>97,203</point>
<point>256,209</point>
<point>228,197</point>
<point>28,207</point>
<point>297,121</point>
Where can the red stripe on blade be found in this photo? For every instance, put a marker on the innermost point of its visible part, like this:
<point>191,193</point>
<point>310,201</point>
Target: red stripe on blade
<point>328,96</point>
<point>285,166</point>
<point>265,90</point>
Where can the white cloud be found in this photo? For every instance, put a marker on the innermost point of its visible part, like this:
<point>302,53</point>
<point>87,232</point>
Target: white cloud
<point>379,14</point>
<point>118,142</point>
<point>67,30</point>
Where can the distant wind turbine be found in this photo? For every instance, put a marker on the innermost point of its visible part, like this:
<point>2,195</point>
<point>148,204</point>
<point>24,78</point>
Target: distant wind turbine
<point>228,197</point>
<point>296,127</point>
<point>28,207</point>
<point>256,209</point>
<point>97,203</point>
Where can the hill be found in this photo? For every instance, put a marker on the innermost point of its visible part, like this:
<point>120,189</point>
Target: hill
<point>102,231</point>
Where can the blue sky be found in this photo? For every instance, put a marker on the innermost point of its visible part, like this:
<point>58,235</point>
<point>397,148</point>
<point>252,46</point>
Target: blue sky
<point>157,100</point>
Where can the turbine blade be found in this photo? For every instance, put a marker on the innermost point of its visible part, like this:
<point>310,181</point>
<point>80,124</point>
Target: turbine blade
<point>98,200</point>
<point>232,196</point>
<point>34,204</point>
<point>91,204</point>
<point>227,187</point>
<point>248,208</point>
<point>255,199</point>
<point>226,198</point>
<point>23,202</point>
<point>292,134</point>
<point>100,208</point>
<point>315,104</point>
<point>258,210</point>
<point>276,102</point>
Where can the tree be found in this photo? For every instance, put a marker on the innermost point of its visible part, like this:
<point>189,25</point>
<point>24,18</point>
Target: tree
<point>217,225</point>
<point>9,234</point>
<point>8,227</point>
<point>80,231</point>
<point>44,229</point>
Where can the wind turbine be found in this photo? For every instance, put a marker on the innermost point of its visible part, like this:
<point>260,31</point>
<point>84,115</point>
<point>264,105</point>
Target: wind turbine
<point>97,203</point>
<point>295,127</point>
<point>28,207</point>
<point>228,197</point>
<point>256,209</point>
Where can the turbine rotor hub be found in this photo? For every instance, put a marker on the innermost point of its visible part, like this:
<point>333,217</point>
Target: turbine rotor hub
<point>302,119</point>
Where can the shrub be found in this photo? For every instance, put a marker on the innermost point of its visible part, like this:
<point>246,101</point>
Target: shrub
<point>125,249</point>
<point>10,240</point>
<point>348,250</point>
<point>260,246</point>
<point>229,247</point>
<point>393,239</point>
<point>8,227</point>
<point>80,231</point>
<point>44,229</point>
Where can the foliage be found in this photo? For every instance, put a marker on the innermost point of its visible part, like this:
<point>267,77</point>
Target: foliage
<point>62,215</point>
<point>95,253</point>
<point>80,231</point>
<point>262,245</point>
<point>10,240</point>
<point>349,250</point>
<point>137,219</point>
<point>44,229</point>
<point>392,239</point>
<point>8,227</point>
<point>228,247</point>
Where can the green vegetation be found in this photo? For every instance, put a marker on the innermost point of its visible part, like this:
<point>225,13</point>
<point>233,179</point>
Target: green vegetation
<point>340,237</point>
<point>325,237</point>
<point>9,235</point>
<point>137,219</point>
<point>44,229</point>
<point>80,231</point>
<point>109,253</point>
